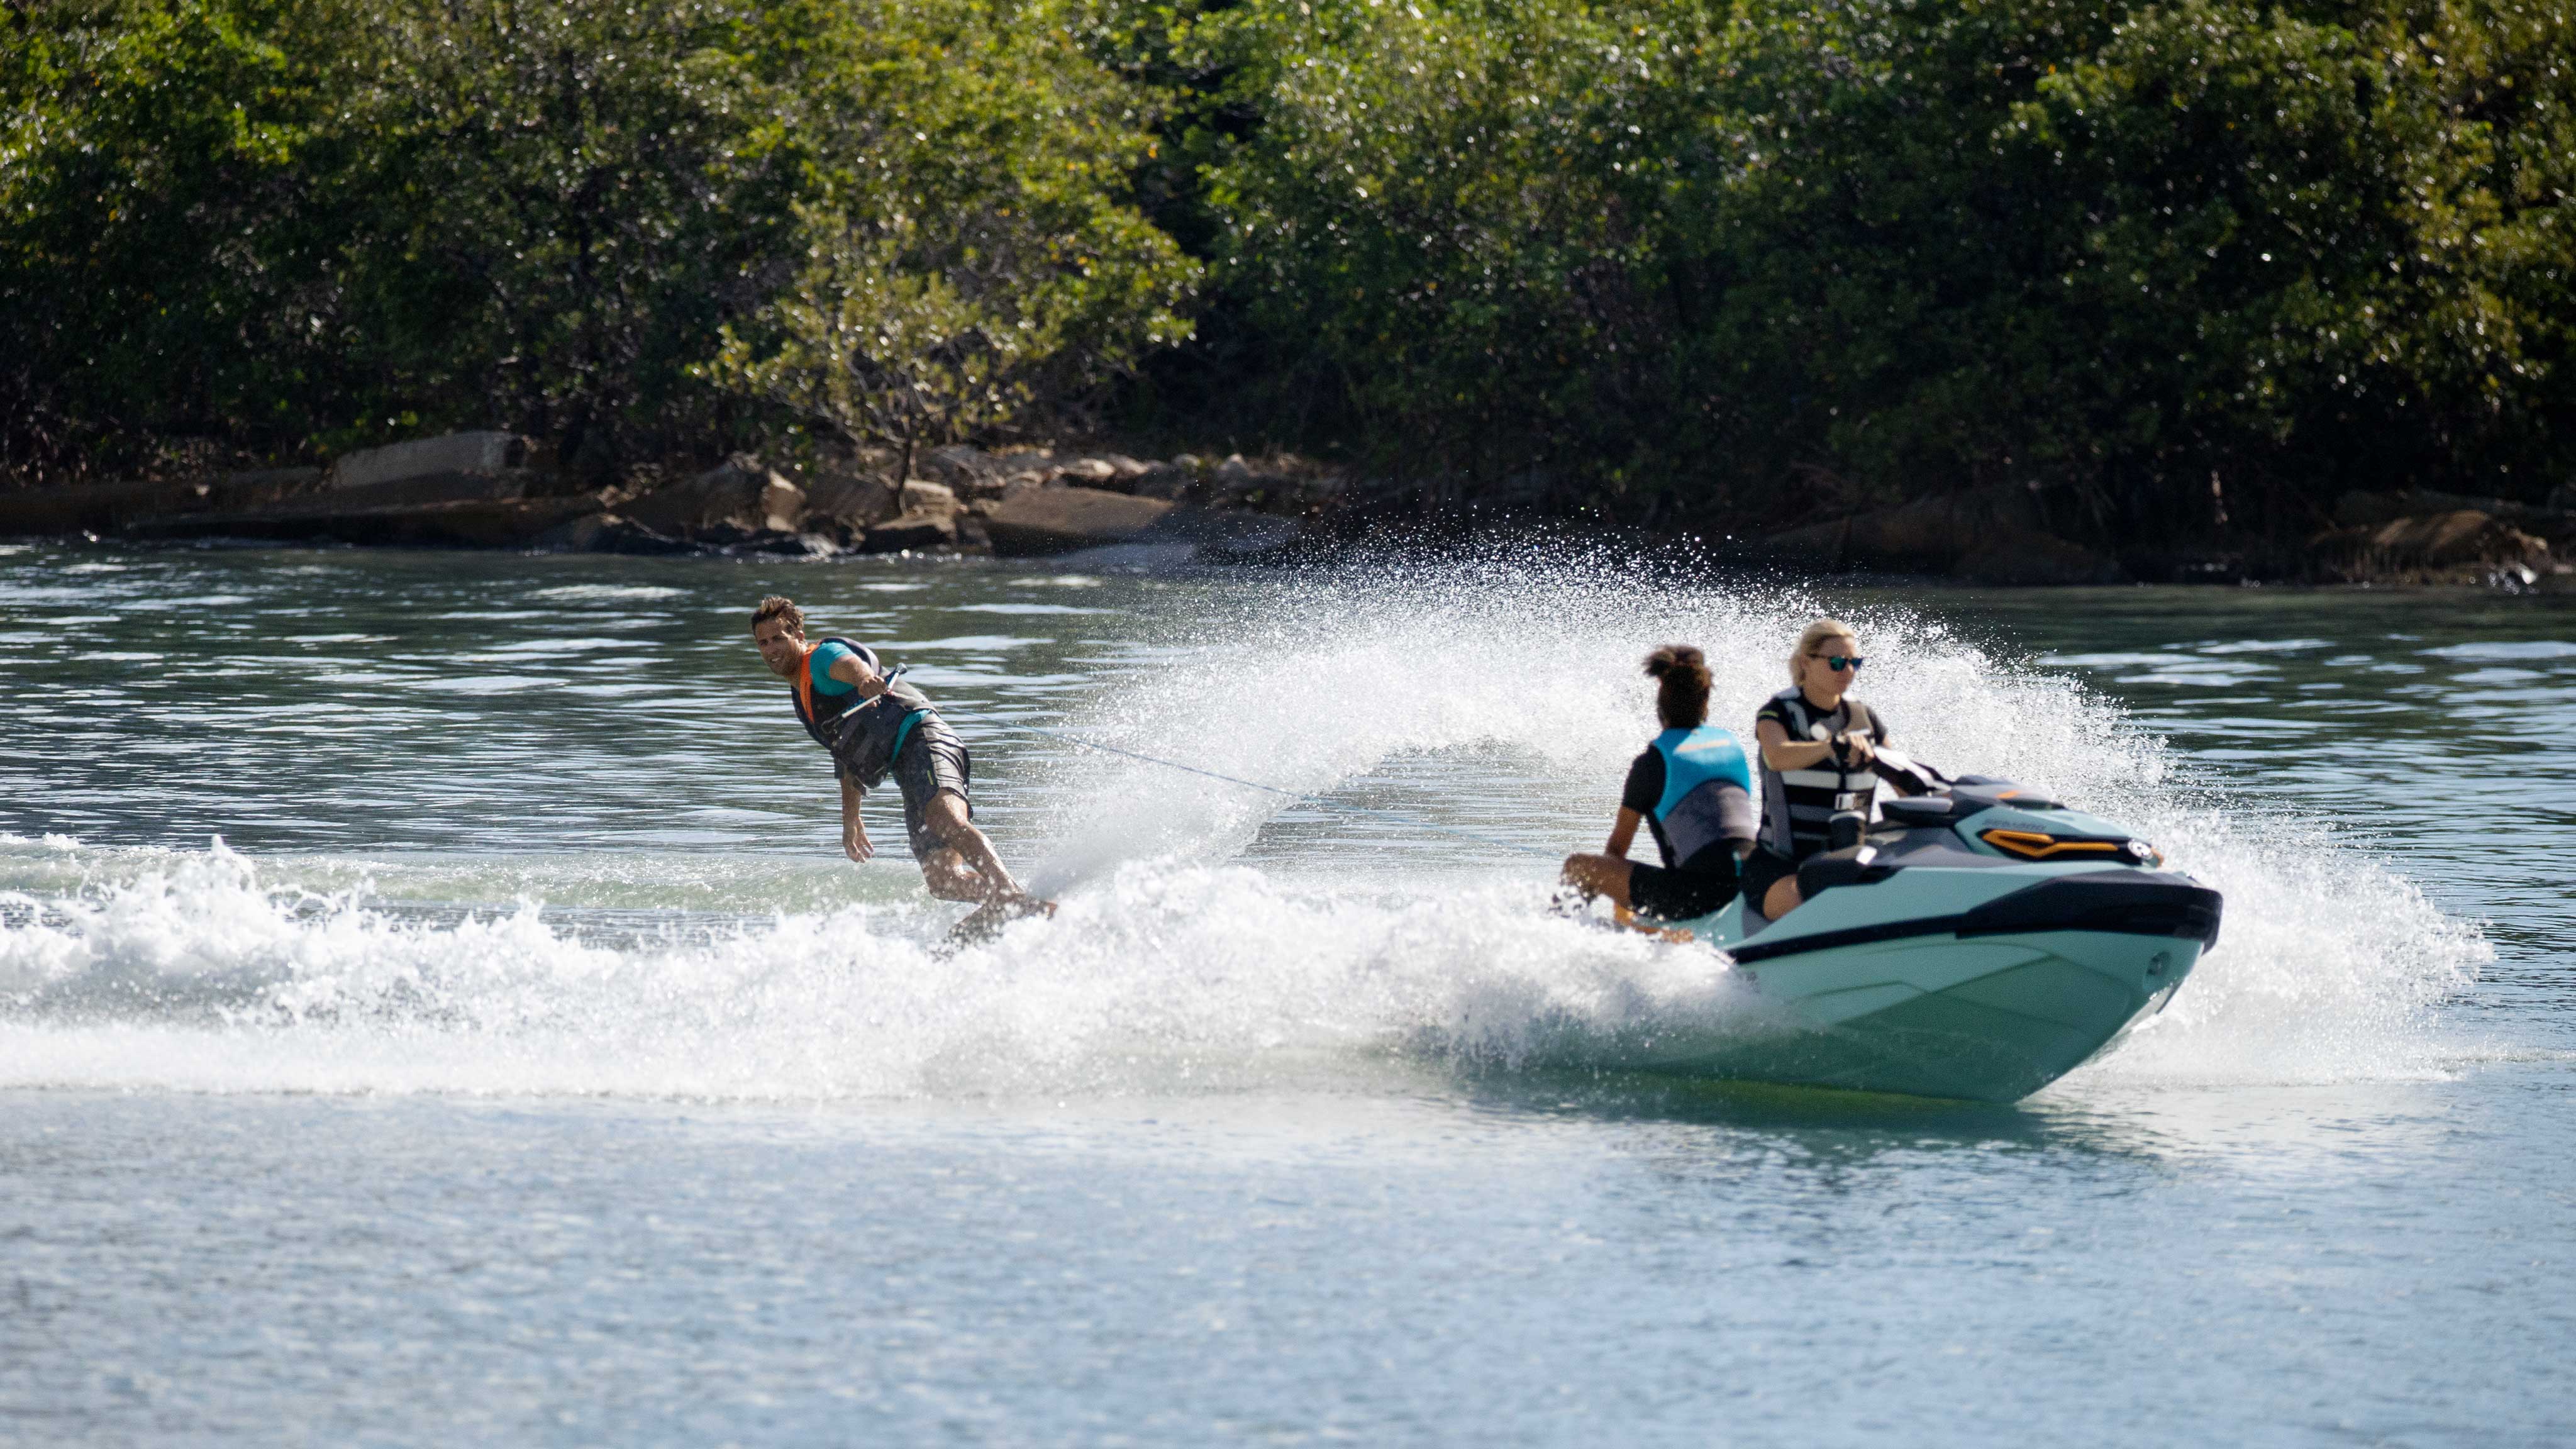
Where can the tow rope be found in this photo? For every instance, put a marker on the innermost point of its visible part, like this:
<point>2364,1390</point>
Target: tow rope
<point>1317,801</point>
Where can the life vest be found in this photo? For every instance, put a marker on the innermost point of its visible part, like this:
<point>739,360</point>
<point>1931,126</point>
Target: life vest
<point>1798,806</point>
<point>1697,809</point>
<point>817,711</point>
<point>824,716</point>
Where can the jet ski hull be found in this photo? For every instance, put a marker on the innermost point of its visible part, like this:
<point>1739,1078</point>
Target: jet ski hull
<point>1986,982</point>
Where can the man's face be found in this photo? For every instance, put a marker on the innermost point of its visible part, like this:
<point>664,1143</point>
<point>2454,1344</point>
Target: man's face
<point>782,645</point>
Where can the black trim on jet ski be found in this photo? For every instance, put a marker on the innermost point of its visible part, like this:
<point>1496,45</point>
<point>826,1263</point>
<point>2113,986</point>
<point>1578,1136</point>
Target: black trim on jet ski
<point>2120,902</point>
<point>2125,902</point>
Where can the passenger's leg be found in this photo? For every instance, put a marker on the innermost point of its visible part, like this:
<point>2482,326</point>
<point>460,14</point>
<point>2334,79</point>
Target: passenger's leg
<point>1599,875</point>
<point>1782,898</point>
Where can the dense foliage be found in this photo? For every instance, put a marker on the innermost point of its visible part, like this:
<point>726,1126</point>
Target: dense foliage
<point>2184,267</point>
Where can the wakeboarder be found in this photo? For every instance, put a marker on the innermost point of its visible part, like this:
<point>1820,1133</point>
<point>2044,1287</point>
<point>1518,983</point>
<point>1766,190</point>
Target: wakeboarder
<point>874,724</point>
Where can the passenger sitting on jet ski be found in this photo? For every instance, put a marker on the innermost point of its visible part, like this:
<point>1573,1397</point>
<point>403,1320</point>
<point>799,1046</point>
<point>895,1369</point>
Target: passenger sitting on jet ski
<point>1817,743</point>
<point>1692,789</point>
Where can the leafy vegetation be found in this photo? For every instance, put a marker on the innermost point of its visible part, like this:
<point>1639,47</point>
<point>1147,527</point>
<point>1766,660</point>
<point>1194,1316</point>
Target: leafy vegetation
<point>2189,270</point>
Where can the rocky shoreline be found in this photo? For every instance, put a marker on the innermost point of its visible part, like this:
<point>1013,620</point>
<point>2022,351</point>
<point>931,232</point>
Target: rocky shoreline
<point>496,490</point>
<point>492,490</point>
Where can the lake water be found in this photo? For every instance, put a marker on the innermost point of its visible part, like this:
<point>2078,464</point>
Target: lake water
<point>433,1009</point>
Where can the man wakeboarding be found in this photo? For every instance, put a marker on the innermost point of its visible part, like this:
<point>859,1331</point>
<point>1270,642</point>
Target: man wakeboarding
<point>873,724</point>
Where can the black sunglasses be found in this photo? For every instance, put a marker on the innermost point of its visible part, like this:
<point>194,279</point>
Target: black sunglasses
<point>1840,662</point>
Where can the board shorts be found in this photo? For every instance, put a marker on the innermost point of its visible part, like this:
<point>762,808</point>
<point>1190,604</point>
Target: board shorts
<point>1763,869</point>
<point>933,761</point>
<point>1679,895</point>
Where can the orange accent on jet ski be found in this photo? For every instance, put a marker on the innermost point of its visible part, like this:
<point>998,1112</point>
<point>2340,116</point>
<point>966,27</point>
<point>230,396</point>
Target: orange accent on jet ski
<point>2033,845</point>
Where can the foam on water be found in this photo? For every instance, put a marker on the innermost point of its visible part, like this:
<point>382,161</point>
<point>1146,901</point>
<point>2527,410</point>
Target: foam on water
<point>1172,967</point>
<point>193,974</point>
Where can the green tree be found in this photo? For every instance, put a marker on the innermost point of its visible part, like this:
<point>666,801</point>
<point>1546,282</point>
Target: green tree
<point>974,255</point>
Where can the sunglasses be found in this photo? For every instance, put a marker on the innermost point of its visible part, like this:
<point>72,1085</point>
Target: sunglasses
<point>1840,662</point>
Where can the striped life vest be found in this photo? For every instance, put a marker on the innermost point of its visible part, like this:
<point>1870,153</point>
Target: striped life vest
<point>1798,806</point>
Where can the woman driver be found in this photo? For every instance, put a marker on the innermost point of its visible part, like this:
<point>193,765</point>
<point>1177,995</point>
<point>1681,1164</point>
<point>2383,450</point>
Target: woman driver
<point>1816,744</point>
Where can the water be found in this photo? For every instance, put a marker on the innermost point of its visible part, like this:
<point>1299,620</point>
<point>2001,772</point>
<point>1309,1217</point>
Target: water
<point>524,1065</point>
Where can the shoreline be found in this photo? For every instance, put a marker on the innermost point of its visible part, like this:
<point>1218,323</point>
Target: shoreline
<point>494,491</point>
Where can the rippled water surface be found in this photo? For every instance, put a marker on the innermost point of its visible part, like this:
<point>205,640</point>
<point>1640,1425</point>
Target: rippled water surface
<point>433,1009</point>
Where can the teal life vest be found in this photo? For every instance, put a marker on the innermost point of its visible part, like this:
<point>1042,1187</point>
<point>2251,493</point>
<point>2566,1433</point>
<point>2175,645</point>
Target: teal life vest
<point>1698,808</point>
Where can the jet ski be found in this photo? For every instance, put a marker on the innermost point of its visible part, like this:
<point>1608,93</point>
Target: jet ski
<point>1979,941</point>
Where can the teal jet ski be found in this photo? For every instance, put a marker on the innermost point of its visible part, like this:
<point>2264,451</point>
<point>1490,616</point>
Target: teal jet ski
<point>1980,941</point>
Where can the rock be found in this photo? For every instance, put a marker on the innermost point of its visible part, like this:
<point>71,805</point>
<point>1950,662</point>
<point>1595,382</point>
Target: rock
<point>1059,520</point>
<point>922,497</point>
<point>741,494</point>
<point>1124,468</point>
<point>1163,480</point>
<point>847,497</point>
<point>958,464</point>
<point>606,533</point>
<point>1234,477</point>
<point>912,531</point>
<point>1993,535</point>
<point>2464,545</point>
<point>2372,510</point>
<point>477,454</point>
<point>1027,460</point>
<point>467,523</point>
<point>1224,534</point>
<point>1092,471</point>
<point>110,507</point>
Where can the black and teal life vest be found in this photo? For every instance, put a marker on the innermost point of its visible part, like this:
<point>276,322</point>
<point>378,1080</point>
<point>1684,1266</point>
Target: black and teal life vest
<point>863,735</point>
<point>816,710</point>
<point>1708,793</point>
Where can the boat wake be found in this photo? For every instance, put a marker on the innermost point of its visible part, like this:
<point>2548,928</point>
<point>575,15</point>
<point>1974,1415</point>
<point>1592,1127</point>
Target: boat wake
<point>1201,945</point>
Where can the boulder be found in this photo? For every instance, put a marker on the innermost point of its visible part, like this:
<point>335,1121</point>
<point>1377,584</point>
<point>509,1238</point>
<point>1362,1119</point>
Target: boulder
<point>604,532</point>
<point>912,531</point>
<point>847,497</point>
<point>1992,535</point>
<point>465,523</point>
<point>928,498</point>
<point>958,464</point>
<point>1059,520</point>
<point>2374,510</point>
<point>2462,545</point>
<point>1062,520</point>
<point>1163,480</point>
<point>742,494</point>
<point>452,457</point>
<point>1092,472</point>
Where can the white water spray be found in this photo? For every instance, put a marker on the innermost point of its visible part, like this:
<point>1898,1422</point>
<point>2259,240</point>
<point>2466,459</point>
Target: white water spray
<point>1172,966</point>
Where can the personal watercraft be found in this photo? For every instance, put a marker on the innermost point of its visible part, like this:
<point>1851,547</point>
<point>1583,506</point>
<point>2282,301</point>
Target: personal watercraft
<point>1980,941</point>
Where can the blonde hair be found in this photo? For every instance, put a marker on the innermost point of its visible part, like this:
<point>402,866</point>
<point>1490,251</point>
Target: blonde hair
<point>1815,634</point>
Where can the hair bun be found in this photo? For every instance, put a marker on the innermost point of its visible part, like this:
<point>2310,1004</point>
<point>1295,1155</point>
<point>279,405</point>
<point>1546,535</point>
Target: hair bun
<point>1676,659</point>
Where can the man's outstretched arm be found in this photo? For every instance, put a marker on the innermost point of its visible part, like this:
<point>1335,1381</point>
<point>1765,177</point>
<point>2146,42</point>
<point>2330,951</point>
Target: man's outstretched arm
<point>854,832</point>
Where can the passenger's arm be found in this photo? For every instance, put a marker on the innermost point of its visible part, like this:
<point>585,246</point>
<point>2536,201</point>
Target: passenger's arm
<point>854,832</point>
<point>1622,831</point>
<point>1782,753</point>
